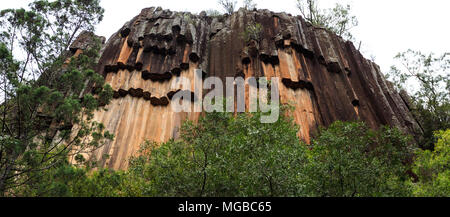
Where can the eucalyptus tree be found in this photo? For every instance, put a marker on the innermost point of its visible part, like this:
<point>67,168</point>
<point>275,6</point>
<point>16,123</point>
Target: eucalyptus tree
<point>44,111</point>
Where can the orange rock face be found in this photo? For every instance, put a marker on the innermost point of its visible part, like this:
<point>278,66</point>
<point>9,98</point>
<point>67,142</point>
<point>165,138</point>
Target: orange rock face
<point>324,77</point>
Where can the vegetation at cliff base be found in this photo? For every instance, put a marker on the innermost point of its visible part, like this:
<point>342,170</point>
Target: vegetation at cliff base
<point>224,155</point>
<point>432,169</point>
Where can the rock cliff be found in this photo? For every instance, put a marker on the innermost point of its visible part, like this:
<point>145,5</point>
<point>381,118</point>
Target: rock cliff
<point>324,77</point>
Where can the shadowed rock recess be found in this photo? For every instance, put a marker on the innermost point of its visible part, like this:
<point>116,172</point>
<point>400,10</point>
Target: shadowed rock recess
<point>324,77</point>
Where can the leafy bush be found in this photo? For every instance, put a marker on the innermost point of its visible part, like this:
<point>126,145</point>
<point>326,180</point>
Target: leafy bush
<point>349,159</point>
<point>432,169</point>
<point>252,32</point>
<point>225,155</point>
<point>238,156</point>
<point>426,78</point>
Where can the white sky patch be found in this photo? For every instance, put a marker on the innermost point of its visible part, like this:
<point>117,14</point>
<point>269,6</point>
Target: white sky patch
<point>386,27</point>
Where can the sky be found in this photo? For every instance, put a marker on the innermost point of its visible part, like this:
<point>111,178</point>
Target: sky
<point>386,27</point>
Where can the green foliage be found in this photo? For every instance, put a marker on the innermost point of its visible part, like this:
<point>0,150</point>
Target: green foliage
<point>225,156</point>
<point>45,32</point>
<point>68,181</point>
<point>429,75</point>
<point>238,156</point>
<point>43,115</point>
<point>432,169</point>
<point>337,19</point>
<point>189,18</point>
<point>350,160</point>
<point>252,32</point>
<point>46,119</point>
<point>7,62</point>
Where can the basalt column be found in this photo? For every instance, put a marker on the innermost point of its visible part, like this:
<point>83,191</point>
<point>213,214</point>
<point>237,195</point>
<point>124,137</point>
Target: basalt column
<point>324,77</point>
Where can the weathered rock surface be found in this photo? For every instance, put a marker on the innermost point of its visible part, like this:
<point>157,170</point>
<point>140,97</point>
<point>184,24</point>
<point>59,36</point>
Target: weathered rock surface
<point>323,76</point>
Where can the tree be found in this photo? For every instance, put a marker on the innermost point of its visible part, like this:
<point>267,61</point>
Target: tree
<point>228,5</point>
<point>225,155</point>
<point>429,75</point>
<point>238,156</point>
<point>252,32</point>
<point>337,19</point>
<point>45,113</point>
<point>351,160</point>
<point>432,169</point>
<point>310,11</point>
<point>249,5</point>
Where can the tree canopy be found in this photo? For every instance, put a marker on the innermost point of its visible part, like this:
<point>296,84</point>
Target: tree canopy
<point>338,19</point>
<point>426,78</point>
<point>45,112</point>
